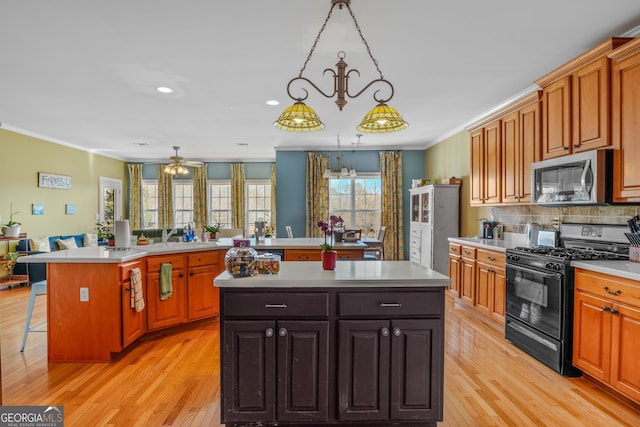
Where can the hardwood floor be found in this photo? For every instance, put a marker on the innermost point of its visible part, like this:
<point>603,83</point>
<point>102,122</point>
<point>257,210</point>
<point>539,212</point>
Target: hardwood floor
<point>173,379</point>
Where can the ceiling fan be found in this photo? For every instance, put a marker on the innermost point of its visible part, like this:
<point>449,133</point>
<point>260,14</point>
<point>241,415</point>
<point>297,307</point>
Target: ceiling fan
<point>178,163</point>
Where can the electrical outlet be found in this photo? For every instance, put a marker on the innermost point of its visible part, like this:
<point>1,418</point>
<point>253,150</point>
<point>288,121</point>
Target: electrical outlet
<point>84,294</point>
<point>555,223</point>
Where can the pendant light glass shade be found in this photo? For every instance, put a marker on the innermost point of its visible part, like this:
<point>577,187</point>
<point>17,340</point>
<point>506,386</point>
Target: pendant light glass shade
<point>174,169</point>
<point>299,118</point>
<point>381,119</point>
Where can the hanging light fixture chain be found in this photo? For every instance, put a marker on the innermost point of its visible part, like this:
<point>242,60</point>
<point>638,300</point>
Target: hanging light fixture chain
<point>313,48</point>
<point>374,60</point>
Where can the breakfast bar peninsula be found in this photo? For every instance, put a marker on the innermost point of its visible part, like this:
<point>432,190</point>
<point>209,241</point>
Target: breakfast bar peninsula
<point>360,345</point>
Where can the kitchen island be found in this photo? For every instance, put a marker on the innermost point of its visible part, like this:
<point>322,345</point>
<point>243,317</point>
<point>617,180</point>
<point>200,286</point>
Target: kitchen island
<point>360,344</point>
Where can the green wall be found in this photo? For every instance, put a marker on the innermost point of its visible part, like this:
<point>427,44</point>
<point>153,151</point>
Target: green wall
<point>22,157</point>
<point>451,158</point>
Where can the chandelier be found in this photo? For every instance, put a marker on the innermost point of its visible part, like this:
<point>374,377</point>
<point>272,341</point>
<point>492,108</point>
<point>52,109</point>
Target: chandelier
<point>342,170</point>
<point>301,118</point>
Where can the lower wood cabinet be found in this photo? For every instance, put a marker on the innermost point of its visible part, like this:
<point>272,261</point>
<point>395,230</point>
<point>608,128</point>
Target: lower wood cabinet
<point>606,332</point>
<point>332,356</point>
<point>202,296</point>
<point>170,311</point>
<point>134,323</point>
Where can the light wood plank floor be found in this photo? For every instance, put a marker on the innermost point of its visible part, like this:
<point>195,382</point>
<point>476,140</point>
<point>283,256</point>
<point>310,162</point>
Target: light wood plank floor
<point>174,379</point>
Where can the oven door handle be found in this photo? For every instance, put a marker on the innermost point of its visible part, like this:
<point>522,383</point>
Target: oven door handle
<point>532,271</point>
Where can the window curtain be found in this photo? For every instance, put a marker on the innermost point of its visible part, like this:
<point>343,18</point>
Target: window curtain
<point>135,195</point>
<point>165,198</point>
<point>317,193</point>
<point>273,196</point>
<point>200,209</point>
<point>237,195</point>
<point>391,215</point>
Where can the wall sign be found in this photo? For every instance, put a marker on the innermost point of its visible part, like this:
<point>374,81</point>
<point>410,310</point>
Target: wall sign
<point>49,180</point>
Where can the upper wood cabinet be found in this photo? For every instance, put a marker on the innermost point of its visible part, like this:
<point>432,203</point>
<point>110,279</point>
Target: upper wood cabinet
<point>625,126</point>
<point>576,103</point>
<point>486,177</point>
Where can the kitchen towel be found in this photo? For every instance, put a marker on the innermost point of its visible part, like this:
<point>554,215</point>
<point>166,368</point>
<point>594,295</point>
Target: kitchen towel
<point>137,299</point>
<point>166,288</point>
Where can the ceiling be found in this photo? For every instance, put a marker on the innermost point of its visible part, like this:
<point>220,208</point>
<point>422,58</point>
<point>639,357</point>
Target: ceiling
<point>84,73</point>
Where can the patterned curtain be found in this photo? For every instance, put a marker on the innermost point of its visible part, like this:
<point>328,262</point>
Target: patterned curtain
<point>317,193</point>
<point>200,210</point>
<point>237,195</point>
<point>391,174</point>
<point>165,198</point>
<point>273,195</point>
<point>135,195</point>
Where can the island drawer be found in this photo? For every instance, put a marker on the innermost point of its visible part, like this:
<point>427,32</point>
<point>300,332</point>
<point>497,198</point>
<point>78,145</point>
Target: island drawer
<point>395,304</point>
<point>125,269</point>
<point>154,263</point>
<point>455,249</point>
<point>203,258</point>
<point>273,304</point>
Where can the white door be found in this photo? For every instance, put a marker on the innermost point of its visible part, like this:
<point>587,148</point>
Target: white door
<point>110,200</point>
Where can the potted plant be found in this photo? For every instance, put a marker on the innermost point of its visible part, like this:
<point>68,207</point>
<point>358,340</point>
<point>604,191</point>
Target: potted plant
<point>329,255</point>
<point>9,263</point>
<point>212,230</point>
<point>105,233</point>
<point>11,228</point>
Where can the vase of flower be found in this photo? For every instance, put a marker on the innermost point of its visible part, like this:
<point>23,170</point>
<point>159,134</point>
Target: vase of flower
<point>329,259</point>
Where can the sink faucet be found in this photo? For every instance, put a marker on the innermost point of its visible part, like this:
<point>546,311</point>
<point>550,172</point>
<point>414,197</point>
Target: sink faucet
<point>165,235</point>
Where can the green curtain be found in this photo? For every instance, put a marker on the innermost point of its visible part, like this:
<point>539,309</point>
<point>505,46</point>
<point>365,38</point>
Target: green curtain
<point>273,196</point>
<point>317,193</point>
<point>200,209</point>
<point>165,198</point>
<point>237,195</point>
<point>391,216</point>
<point>135,195</point>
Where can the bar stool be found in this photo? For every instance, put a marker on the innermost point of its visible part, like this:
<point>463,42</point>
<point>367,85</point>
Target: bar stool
<point>37,289</point>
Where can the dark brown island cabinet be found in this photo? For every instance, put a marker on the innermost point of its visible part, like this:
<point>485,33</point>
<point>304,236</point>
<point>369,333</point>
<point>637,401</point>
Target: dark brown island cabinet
<point>335,355</point>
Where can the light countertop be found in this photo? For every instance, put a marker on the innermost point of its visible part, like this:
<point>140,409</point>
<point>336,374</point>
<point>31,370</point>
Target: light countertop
<point>501,245</point>
<point>305,274</point>
<point>625,269</point>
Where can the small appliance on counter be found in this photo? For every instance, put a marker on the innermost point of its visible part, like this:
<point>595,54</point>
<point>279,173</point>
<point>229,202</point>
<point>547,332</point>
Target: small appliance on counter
<point>123,234</point>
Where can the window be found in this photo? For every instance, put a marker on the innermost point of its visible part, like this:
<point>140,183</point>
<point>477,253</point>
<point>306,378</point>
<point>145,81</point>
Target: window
<point>182,203</point>
<point>358,201</point>
<point>149,204</point>
<point>258,203</point>
<point>220,203</point>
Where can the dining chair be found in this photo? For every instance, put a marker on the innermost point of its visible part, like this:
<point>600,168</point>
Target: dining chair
<point>375,251</point>
<point>289,232</point>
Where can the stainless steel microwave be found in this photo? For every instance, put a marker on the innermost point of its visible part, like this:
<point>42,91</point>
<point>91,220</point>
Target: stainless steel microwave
<point>575,179</point>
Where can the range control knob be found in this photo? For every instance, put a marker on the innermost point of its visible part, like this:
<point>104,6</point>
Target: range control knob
<point>513,257</point>
<point>553,266</point>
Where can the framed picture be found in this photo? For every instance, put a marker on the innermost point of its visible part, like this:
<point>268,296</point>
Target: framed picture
<point>37,209</point>
<point>70,209</point>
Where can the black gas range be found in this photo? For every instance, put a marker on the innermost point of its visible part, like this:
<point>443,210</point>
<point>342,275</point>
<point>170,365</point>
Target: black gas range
<point>539,290</point>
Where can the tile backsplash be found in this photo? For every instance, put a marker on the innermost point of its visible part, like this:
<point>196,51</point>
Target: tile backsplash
<point>514,218</point>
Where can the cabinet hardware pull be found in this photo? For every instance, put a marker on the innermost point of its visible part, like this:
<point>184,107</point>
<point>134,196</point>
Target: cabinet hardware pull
<point>127,289</point>
<point>491,258</point>
<point>576,146</point>
<point>565,148</point>
<point>191,273</point>
<point>605,308</point>
<point>269,332</point>
<point>282,332</point>
<point>390,304</point>
<point>616,292</point>
<point>181,275</point>
<point>275,305</point>
<point>397,332</point>
<point>384,332</point>
<point>614,311</point>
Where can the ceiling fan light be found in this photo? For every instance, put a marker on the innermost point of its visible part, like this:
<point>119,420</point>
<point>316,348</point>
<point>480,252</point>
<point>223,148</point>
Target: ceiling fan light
<point>299,118</point>
<point>353,172</point>
<point>381,119</point>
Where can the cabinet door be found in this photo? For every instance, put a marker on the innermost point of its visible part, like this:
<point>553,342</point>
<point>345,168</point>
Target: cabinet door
<point>363,370</point>
<point>249,371</point>
<point>556,119</point>
<point>202,296</point>
<point>626,128</point>
<point>468,281</point>
<point>426,246</point>
<point>498,294</point>
<point>303,370</point>
<point>592,335</point>
<point>625,369</point>
<point>511,158</point>
<point>590,93</point>
<point>483,285</point>
<point>170,312</point>
<point>529,147</point>
<point>454,274</point>
<point>493,170</point>
<point>133,322</point>
<point>416,369</point>
<point>477,167</point>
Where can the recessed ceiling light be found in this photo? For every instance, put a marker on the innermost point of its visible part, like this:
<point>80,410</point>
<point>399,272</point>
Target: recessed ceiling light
<point>164,89</point>
<point>242,144</point>
<point>142,144</point>
<point>273,102</point>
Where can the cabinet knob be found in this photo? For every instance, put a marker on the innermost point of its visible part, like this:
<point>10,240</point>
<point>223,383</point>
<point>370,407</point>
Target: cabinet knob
<point>397,332</point>
<point>576,146</point>
<point>565,148</point>
<point>127,289</point>
<point>384,332</point>
<point>269,332</point>
<point>282,332</point>
<point>181,275</point>
<point>605,308</point>
<point>614,311</point>
<point>191,273</point>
